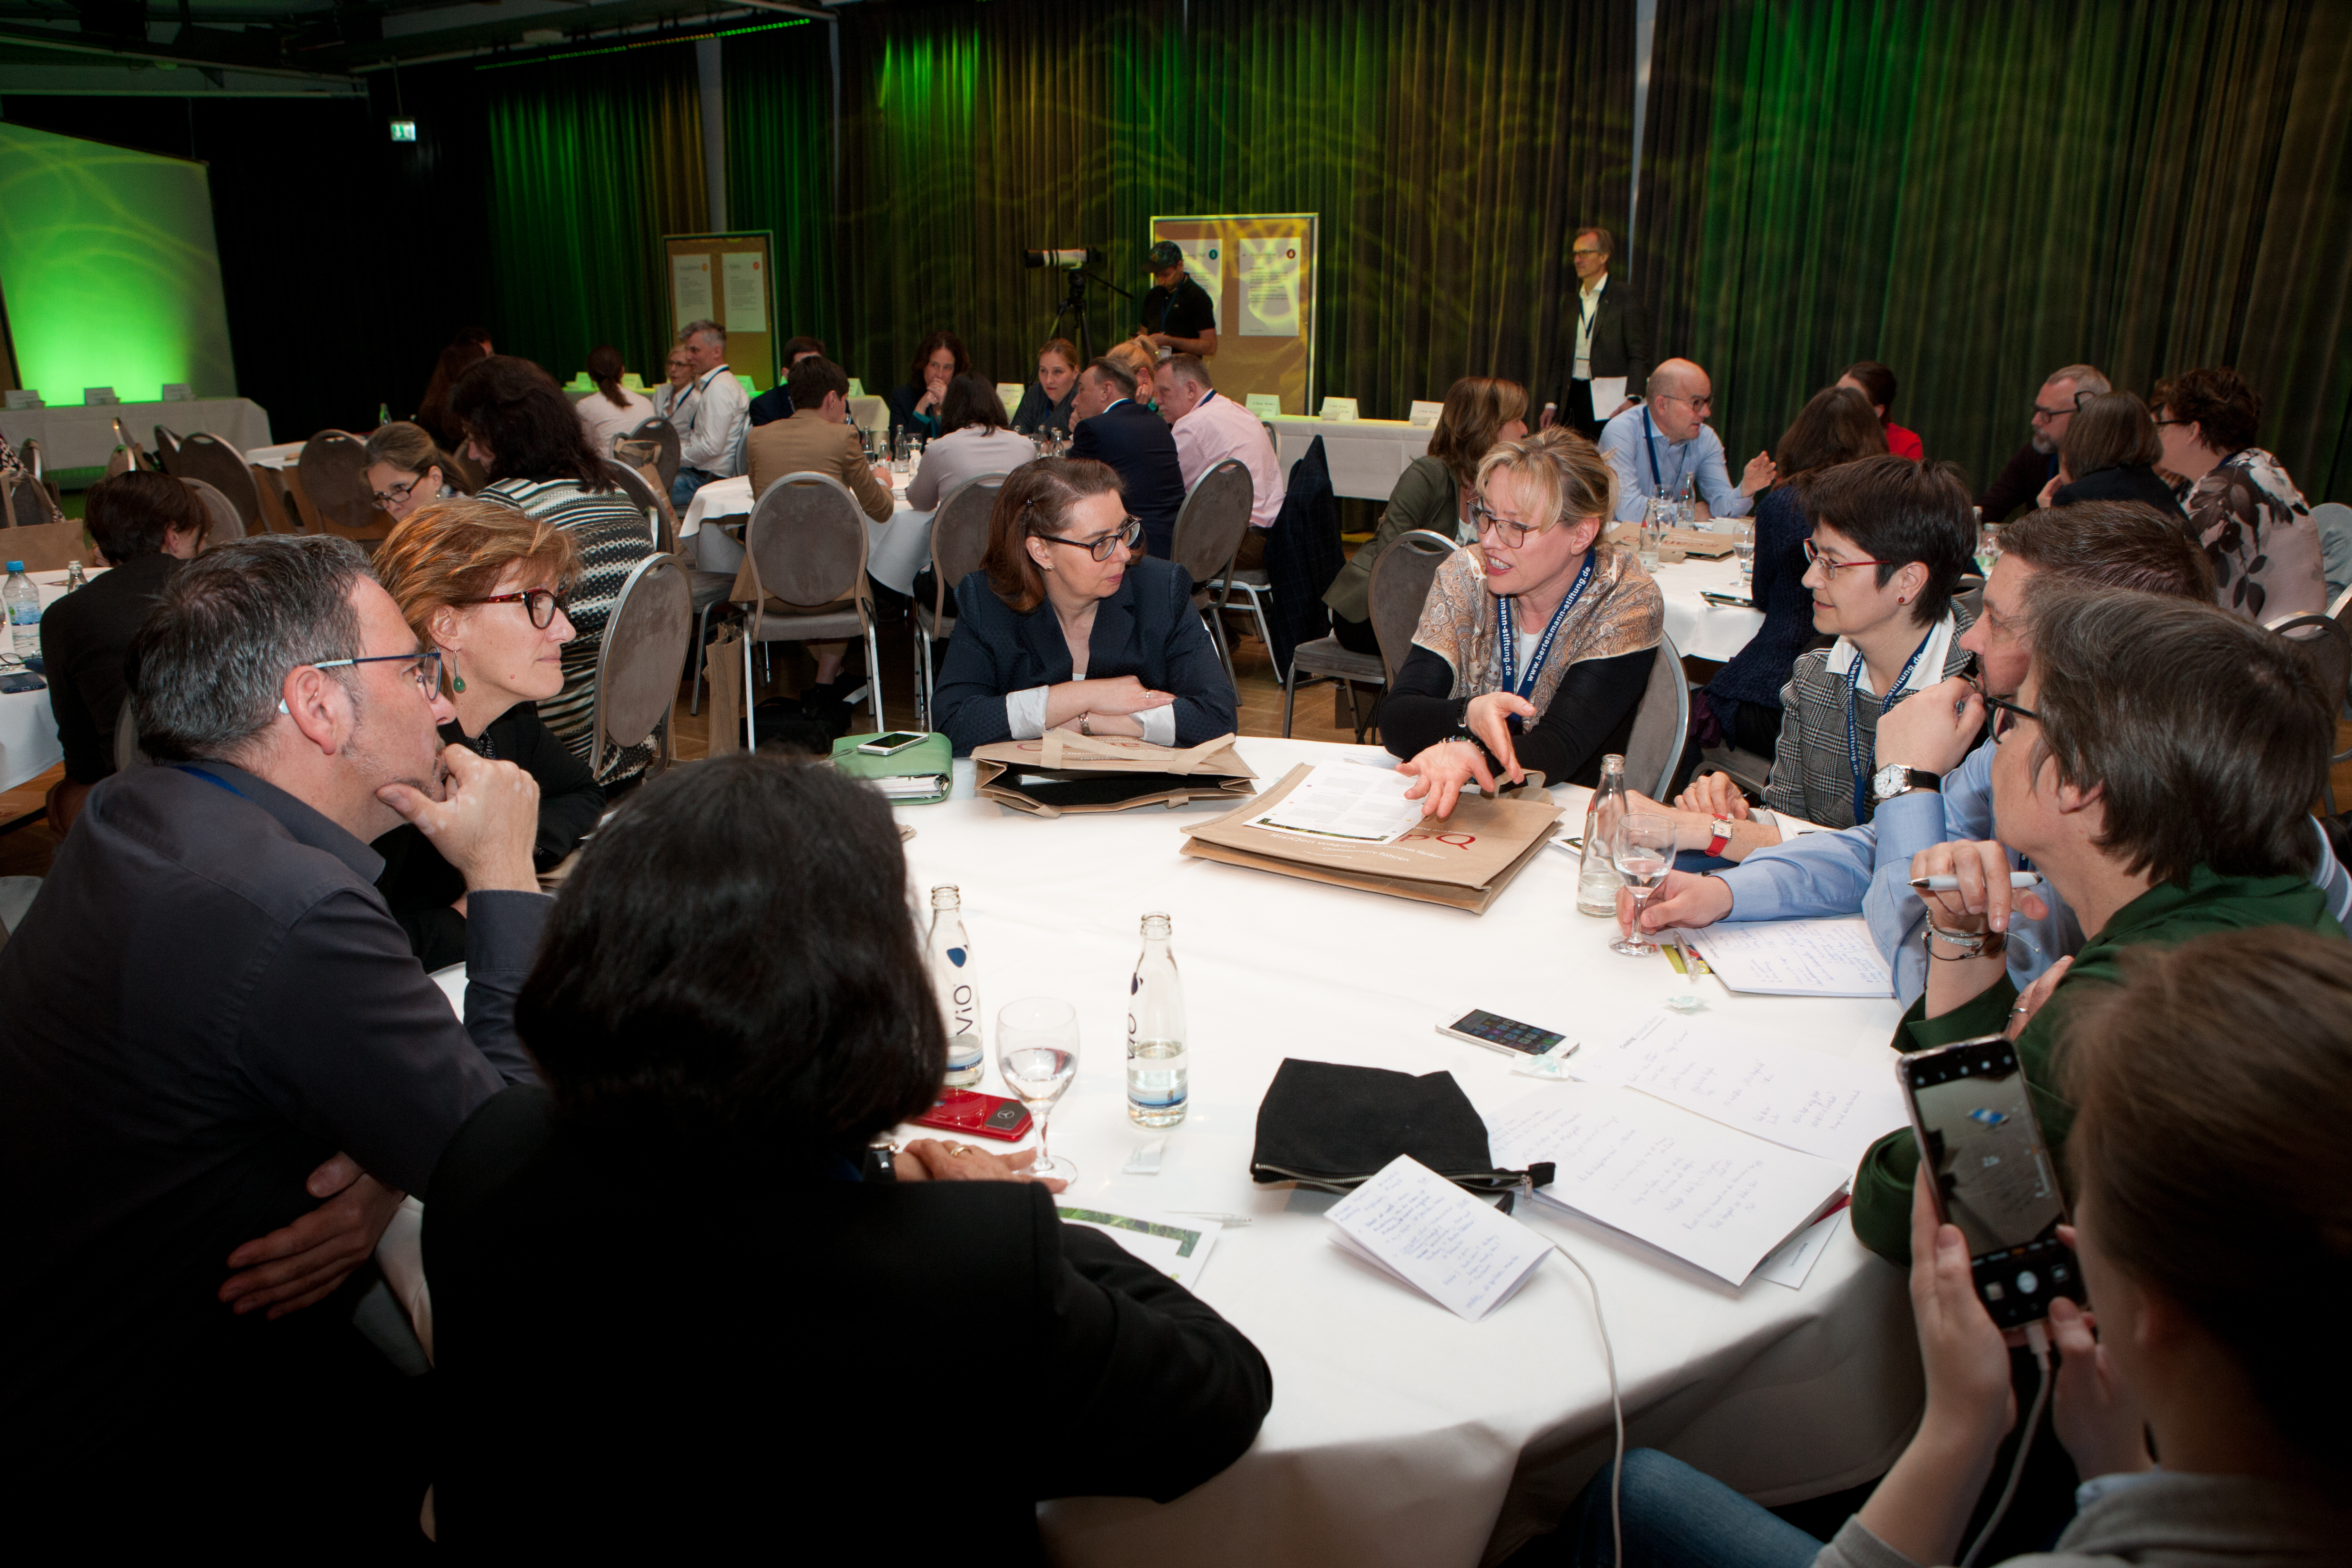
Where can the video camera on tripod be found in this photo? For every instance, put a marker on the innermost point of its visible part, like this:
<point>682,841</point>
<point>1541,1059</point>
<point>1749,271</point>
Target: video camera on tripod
<point>1075,260</point>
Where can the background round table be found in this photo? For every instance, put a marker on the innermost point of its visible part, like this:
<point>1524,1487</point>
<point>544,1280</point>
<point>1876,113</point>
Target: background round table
<point>894,551</point>
<point>28,725</point>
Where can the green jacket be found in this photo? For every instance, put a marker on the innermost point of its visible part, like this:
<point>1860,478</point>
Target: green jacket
<point>2164,915</point>
<point>1424,497</point>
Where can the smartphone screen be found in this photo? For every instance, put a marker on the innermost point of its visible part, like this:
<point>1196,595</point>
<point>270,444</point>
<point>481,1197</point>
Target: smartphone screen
<point>1994,1177</point>
<point>895,740</point>
<point>1505,1034</point>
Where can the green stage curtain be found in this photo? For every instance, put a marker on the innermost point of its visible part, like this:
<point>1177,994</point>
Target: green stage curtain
<point>1977,192</point>
<point>778,93</point>
<point>591,162</point>
<point>1450,149</point>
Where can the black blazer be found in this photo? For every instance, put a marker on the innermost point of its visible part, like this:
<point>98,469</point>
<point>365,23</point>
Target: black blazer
<point>1147,629</point>
<point>1138,444</point>
<point>1621,337</point>
<point>83,639</point>
<point>2138,482</point>
<point>641,1352</point>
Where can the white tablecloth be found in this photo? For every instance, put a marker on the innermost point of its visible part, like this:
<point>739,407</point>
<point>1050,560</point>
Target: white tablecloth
<point>75,436</point>
<point>1699,629</point>
<point>28,726</point>
<point>1366,455</point>
<point>896,550</point>
<point>282,455</point>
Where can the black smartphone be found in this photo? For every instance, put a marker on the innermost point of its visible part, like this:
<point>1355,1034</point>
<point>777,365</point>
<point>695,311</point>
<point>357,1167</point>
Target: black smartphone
<point>1497,1033</point>
<point>1994,1176</point>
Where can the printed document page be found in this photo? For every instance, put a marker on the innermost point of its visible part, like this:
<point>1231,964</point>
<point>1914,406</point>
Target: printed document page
<point>1176,1245</point>
<point>1353,805</point>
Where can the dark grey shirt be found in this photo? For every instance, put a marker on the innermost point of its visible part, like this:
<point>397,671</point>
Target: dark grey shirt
<point>207,999</point>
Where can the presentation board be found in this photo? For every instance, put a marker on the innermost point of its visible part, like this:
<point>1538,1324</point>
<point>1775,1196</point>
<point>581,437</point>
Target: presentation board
<point>107,271</point>
<point>728,278</point>
<point>1260,270</point>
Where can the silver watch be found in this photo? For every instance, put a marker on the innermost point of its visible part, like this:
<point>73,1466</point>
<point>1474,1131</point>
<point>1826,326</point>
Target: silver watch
<point>1895,779</point>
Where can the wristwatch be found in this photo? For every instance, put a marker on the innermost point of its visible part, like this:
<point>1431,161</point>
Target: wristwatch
<point>1721,828</point>
<point>1894,779</point>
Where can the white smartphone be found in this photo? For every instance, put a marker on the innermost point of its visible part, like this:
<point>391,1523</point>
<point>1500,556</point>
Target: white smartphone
<point>891,743</point>
<point>1497,1033</point>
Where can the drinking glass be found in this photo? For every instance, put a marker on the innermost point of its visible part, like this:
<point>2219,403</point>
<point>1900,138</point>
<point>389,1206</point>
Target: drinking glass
<point>1743,546</point>
<point>1643,850</point>
<point>1038,1052</point>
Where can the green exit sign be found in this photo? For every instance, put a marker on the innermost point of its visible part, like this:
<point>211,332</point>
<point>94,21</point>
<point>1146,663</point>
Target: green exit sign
<point>404,130</point>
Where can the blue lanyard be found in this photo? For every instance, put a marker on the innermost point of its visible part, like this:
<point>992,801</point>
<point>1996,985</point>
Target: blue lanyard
<point>1854,729</point>
<point>213,779</point>
<point>696,393</point>
<point>1511,682</point>
<point>1650,439</point>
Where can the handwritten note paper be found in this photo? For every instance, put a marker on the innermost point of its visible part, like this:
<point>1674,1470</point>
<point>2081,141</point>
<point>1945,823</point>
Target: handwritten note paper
<point>1797,958</point>
<point>1800,1100</point>
<point>1706,1193</point>
<point>1453,1247</point>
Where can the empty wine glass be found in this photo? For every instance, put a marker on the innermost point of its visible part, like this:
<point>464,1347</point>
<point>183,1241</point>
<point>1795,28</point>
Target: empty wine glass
<point>1743,546</point>
<point>1038,1052</point>
<point>1644,852</point>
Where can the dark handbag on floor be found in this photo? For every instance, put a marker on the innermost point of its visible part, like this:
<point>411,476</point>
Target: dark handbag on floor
<point>1333,1128</point>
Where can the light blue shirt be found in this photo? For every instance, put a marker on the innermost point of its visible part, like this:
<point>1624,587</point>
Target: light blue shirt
<point>1644,460</point>
<point>1868,869</point>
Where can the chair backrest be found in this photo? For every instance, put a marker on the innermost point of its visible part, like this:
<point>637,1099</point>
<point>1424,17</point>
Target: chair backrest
<point>642,657</point>
<point>279,513</point>
<point>127,754</point>
<point>664,436</point>
<point>1210,525</point>
<point>29,455</point>
<point>2328,645</point>
<point>122,460</point>
<point>2333,519</point>
<point>227,527</point>
<point>806,541</point>
<point>1660,724</point>
<point>27,503</point>
<point>641,495</point>
<point>1399,587</point>
<point>334,472</point>
<point>960,534</point>
<point>204,456</point>
<point>167,447</point>
<point>1969,596</point>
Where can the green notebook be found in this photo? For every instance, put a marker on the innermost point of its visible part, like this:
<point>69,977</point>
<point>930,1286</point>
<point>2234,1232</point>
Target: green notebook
<point>921,774</point>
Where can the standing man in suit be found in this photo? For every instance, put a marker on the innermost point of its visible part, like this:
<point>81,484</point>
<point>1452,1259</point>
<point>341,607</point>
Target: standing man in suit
<point>1112,428</point>
<point>1610,335</point>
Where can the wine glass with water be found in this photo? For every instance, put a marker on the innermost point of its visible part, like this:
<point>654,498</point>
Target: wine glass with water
<point>1743,547</point>
<point>1644,853</point>
<point>1038,1052</point>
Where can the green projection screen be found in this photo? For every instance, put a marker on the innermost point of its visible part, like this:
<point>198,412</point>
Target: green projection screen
<point>108,269</point>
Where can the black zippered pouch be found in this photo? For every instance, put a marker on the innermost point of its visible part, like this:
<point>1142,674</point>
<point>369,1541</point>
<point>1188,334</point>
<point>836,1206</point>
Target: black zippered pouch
<point>1332,1127</point>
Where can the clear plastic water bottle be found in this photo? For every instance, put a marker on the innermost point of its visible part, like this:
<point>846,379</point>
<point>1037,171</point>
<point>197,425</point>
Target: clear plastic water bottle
<point>383,415</point>
<point>1158,1070</point>
<point>1597,881</point>
<point>1657,515</point>
<point>24,601</point>
<point>953,976</point>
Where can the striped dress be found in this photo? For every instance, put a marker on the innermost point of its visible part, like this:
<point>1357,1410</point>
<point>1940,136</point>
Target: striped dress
<point>609,535</point>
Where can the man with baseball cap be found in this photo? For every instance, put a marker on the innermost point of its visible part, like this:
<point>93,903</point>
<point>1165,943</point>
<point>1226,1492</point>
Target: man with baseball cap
<point>1179,317</point>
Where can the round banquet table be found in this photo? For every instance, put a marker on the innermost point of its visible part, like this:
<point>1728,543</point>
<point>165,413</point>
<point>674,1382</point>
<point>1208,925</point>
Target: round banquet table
<point>1701,630</point>
<point>895,550</point>
<point>28,726</point>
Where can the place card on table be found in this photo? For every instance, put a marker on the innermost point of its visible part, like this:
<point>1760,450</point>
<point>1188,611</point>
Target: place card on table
<point>857,388</point>
<point>1176,1245</point>
<point>1424,413</point>
<point>632,382</point>
<point>178,392</point>
<point>25,397</point>
<point>1796,958</point>
<point>91,396</point>
<point>1264,404</point>
<point>1454,1248</point>
<point>1339,408</point>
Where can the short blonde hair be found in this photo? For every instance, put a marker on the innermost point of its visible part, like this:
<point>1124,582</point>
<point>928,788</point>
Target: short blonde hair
<point>441,555</point>
<point>1564,473</point>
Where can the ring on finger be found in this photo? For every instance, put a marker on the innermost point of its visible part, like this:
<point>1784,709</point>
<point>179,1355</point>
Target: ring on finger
<point>960,1150</point>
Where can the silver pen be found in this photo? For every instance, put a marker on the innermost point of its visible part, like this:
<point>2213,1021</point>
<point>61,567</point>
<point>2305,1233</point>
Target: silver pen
<point>1952,884</point>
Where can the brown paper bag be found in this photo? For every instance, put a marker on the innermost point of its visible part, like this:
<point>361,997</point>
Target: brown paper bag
<point>1073,772</point>
<point>1461,862</point>
<point>722,669</point>
<point>1698,543</point>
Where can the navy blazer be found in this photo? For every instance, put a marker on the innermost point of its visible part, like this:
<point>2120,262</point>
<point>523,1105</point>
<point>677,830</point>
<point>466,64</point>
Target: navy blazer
<point>1138,444</point>
<point>1147,629</point>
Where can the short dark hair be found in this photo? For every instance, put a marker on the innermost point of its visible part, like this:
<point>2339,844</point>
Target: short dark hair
<point>932,344</point>
<point>2109,430</point>
<point>2206,735</point>
<point>2210,1089</point>
<point>129,515</point>
<point>684,985</point>
<point>1898,511</point>
<point>1118,374</point>
<point>810,379</point>
<point>208,666</point>
<point>2229,411</point>
<point>515,410</point>
<point>795,347</point>
<point>1835,426</point>
<point>972,400</point>
<point>1035,500</point>
<point>2113,544</point>
<point>605,368</point>
<point>1877,383</point>
<point>1608,241</point>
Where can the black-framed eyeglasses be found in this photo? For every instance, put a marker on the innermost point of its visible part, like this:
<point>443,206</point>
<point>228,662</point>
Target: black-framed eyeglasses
<point>2042,413</point>
<point>2162,423</point>
<point>2005,715</point>
<point>1513,535</point>
<point>394,496</point>
<point>1707,403</point>
<point>1129,533</point>
<point>425,670</point>
<point>540,604</point>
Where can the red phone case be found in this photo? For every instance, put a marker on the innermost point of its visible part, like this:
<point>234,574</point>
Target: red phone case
<point>977,1115</point>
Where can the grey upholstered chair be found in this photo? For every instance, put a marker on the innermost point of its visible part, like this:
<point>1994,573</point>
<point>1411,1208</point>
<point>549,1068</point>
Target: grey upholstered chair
<point>1661,725</point>
<point>661,525</point>
<point>664,436</point>
<point>1403,572</point>
<point>1208,535</point>
<point>958,543</point>
<point>227,527</point>
<point>2328,645</point>
<point>639,662</point>
<point>332,471</point>
<point>206,456</point>
<point>806,546</point>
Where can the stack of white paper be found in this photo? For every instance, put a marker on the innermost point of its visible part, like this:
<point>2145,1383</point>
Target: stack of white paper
<point>1712,1196</point>
<point>1454,1248</point>
<point>1347,804</point>
<point>1176,1245</point>
<point>1796,958</point>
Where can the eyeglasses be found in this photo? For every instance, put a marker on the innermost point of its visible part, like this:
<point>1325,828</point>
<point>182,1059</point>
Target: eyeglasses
<point>1128,534</point>
<point>1513,535</point>
<point>425,670</point>
<point>2042,413</point>
<point>1706,403</point>
<point>1813,556</point>
<point>540,604</point>
<point>2005,715</point>
<point>2162,423</point>
<point>1584,252</point>
<point>397,493</point>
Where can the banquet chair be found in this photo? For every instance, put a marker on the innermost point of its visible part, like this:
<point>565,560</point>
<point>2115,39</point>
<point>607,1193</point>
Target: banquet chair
<point>664,436</point>
<point>638,661</point>
<point>959,541</point>
<point>28,503</point>
<point>282,513</point>
<point>167,450</point>
<point>805,554</point>
<point>332,471</point>
<point>204,456</point>
<point>127,754</point>
<point>2325,641</point>
<point>2333,519</point>
<point>227,527</point>
<point>1208,533</point>
<point>1653,752</point>
<point>1401,580</point>
<point>661,522</point>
